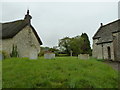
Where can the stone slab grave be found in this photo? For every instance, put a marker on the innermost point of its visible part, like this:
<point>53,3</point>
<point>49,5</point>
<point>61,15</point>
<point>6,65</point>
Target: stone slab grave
<point>33,54</point>
<point>49,55</point>
<point>83,56</point>
<point>1,57</point>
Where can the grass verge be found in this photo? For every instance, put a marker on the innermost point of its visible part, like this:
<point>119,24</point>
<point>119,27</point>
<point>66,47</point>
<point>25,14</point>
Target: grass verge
<point>61,72</point>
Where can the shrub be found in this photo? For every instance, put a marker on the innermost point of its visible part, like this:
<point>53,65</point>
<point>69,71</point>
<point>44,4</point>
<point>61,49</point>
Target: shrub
<point>41,53</point>
<point>14,52</point>
<point>5,54</point>
<point>63,55</point>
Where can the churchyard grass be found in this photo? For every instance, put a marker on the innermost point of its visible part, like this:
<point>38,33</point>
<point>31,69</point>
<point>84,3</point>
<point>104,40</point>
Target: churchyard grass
<point>61,72</point>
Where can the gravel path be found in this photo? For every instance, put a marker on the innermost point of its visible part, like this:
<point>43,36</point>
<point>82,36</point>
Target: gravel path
<point>115,65</point>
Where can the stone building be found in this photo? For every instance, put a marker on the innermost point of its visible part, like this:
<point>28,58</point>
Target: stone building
<point>106,42</point>
<point>22,34</point>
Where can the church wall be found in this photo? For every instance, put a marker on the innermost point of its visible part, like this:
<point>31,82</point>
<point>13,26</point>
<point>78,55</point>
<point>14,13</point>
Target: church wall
<point>97,50</point>
<point>117,45</point>
<point>100,51</point>
<point>118,50</point>
<point>105,50</point>
<point>94,51</point>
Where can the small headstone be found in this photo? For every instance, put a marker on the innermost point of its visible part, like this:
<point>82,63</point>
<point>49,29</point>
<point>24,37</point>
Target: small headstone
<point>49,55</point>
<point>84,56</point>
<point>33,55</point>
<point>1,57</point>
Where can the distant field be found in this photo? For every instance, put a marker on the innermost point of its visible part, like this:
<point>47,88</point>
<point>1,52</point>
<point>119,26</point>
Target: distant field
<point>62,72</point>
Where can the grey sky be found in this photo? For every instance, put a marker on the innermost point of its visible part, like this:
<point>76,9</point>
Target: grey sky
<point>54,21</point>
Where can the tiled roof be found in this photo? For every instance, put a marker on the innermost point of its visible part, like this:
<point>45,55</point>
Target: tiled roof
<point>104,33</point>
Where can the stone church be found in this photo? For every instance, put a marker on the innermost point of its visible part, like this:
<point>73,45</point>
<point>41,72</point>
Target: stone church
<point>106,41</point>
<point>22,34</point>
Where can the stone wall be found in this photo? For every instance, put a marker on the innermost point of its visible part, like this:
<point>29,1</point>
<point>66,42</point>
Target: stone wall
<point>105,50</point>
<point>26,43</point>
<point>100,51</point>
<point>118,50</point>
<point>94,52</point>
<point>116,46</point>
<point>7,45</point>
<point>97,50</point>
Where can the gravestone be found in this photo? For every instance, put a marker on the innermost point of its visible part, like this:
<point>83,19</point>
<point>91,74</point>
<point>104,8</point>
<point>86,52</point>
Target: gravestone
<point>84,56</point>
<point>1,57</point>
<point>49,55</point>
<point>33,54</point>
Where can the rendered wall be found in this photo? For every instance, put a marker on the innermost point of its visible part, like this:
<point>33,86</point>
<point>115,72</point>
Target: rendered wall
<point>26,43</point>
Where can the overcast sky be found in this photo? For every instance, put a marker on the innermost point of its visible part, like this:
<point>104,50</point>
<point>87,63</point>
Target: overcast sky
<point>55,20</point>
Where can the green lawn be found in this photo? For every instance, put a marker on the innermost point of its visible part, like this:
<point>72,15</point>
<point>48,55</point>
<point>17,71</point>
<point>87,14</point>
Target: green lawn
<point>61,72</point>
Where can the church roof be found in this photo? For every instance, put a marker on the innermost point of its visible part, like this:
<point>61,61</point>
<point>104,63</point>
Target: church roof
<point>10,29</point>
<point>104,33</point>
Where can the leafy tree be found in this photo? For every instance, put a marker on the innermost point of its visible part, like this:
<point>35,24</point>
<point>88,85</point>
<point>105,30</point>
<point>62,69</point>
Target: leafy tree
<point>78,45</point>
<point>71,44</point>
<point>64,45</point>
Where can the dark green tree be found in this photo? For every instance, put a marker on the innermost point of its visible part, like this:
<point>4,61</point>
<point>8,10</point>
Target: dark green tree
<point>86,49</point>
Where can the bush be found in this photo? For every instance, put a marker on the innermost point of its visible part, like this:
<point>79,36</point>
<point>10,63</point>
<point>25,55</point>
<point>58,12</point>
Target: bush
<point>14,52</point>
<point>5,54</point>
<point>41,53</point>
<point>62,55</point>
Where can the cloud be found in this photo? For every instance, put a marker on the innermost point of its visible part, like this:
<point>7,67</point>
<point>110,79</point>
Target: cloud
<point>55,20</point>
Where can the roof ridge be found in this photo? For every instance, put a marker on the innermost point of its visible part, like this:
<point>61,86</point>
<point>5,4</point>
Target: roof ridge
<point>111,22</point>
<point>12,21</point>
<point>99,30</point>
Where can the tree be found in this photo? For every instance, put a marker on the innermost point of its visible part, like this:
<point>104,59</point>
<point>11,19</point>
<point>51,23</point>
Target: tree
<point>86,49</point>
<point>71,44</point>
<point>78,45</point>
<point>64,45</point>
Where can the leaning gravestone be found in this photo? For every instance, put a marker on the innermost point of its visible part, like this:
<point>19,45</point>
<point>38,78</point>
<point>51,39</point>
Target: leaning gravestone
<point>83,56</point>
<point>49,55</point>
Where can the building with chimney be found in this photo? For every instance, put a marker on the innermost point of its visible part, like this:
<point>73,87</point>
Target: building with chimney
<point>22,36</point>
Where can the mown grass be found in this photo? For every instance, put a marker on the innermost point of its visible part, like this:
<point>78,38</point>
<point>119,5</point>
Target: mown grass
<point>62,72</point>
